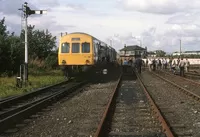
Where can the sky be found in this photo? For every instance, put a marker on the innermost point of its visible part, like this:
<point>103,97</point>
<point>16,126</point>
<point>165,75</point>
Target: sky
<point>155,24</point>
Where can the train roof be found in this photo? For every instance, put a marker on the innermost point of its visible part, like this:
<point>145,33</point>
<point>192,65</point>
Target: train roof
<point>84,34</point>
<point>88,35</point>
<point>92,37</point>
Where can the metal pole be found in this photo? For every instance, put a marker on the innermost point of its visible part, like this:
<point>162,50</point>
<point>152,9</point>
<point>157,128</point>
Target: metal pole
<point>26,48</point>
<point>180,47</point>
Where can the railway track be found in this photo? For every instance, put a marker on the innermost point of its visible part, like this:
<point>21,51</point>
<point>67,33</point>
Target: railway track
<point>16,109</point>
<point>180,111</point>
<point>8,98</point>
<point>192,75</point>
<point>132,112</point>
<point>187,86</point>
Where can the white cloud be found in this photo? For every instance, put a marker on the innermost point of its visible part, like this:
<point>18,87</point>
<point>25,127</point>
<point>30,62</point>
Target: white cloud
<point>159,6</point>
<point>105,22</point>
<point>45,3</point>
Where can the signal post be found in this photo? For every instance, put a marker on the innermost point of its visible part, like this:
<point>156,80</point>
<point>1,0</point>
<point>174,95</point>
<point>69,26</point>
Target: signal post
<point>26,13</point>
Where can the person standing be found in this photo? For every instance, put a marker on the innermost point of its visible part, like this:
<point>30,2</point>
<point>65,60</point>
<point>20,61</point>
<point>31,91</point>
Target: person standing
<point>170,63</point>
<point>159,64</point>
<point>139,64</point>
<point>181,66</point>
<point>121,62</point>
<point>173,68</point>
<point>146,62</point>
<point>125,62</point>
<point>187,65</point>
<point>150,64</point>
<point>178,61</point>
<point>163,63</point>
<point>154,64</point>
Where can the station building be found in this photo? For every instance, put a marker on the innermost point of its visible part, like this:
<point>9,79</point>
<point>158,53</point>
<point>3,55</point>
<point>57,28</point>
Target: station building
<point>132,52</point>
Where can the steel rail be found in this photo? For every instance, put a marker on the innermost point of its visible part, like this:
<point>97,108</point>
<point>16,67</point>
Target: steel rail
<point>99,132</point>
<point>18,117</point>
<point>187,92</point>
<point>16,99</point>
<point>192,81</point>
<point>17,109</point>
<point>8,98</point>
<point>165,126</point>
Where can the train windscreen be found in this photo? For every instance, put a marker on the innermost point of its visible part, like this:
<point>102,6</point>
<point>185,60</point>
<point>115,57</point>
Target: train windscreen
<point>65,48</point>
<point>85,47</point>
<point>75,47</point>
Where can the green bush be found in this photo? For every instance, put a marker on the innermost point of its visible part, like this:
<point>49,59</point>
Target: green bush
<point>51,62</point>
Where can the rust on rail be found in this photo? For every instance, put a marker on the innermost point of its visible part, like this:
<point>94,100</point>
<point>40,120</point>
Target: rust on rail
<point>192,81</point>
<point>195,96</point>
<point>158,114</point>
<point>99,132</point>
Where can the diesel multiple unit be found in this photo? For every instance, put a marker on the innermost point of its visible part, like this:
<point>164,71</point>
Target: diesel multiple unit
<point>77,50</point>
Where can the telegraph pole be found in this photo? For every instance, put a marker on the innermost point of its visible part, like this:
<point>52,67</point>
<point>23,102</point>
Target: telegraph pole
<point>180,47</point>
<point>27,12</point>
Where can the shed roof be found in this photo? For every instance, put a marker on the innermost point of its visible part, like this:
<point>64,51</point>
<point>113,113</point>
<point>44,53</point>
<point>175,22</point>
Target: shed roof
<point>132,48</point>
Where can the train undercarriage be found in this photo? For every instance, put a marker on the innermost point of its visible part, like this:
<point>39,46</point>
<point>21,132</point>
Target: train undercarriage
<point>85,71</point>
<point>74,70</point>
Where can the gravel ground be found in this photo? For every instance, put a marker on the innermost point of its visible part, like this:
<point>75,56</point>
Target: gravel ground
<point>189,75</point>
<point>181,111</point>
<point>78,116</point>
<point>73,117</point>
<point>132,115</point>
<point>193,87</point>
<point>14,108</point>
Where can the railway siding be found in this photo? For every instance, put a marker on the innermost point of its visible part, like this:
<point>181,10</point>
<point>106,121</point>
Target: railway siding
<point>193,87</point>
<point>78,116</point>
<point>181,112</point>
<point>17,114</point>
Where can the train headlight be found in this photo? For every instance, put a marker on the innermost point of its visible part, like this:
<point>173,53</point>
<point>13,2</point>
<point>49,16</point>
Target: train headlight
<point>87,62</point>
<point>63,62</point>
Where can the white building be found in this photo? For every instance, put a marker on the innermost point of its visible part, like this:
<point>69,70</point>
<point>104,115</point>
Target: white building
<point>186,53</point>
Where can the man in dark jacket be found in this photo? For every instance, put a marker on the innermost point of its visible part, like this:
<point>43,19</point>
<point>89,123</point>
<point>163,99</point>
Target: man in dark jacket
<point>154,64</point>
<point>138,64</point>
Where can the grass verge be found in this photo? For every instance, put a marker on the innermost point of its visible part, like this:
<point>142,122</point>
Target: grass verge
<point>8,84</point>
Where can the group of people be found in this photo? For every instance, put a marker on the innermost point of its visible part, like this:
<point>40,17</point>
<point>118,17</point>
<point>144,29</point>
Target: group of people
<point>136,63</point>
<point>160,64</point>
<point>173,64</point>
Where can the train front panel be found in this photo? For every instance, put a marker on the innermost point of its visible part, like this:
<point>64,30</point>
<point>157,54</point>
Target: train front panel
<point>76,50</point>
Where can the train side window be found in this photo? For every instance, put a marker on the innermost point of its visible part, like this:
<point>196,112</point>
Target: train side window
<point>65,48</point>
<point>75,47</point>
<point>85,47</point>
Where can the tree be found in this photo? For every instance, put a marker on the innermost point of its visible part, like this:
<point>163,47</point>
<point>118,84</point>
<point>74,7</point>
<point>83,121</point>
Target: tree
<point>160,53</point>
<point>4,47</point>
<point>52,60</point>
<point>16,52</point>
<point>40,44</point>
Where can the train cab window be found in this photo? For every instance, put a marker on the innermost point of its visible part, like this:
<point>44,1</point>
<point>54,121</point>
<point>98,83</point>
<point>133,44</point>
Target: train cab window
<point>75,47</point>
<point>65,48</point>
<point>85,47</point>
